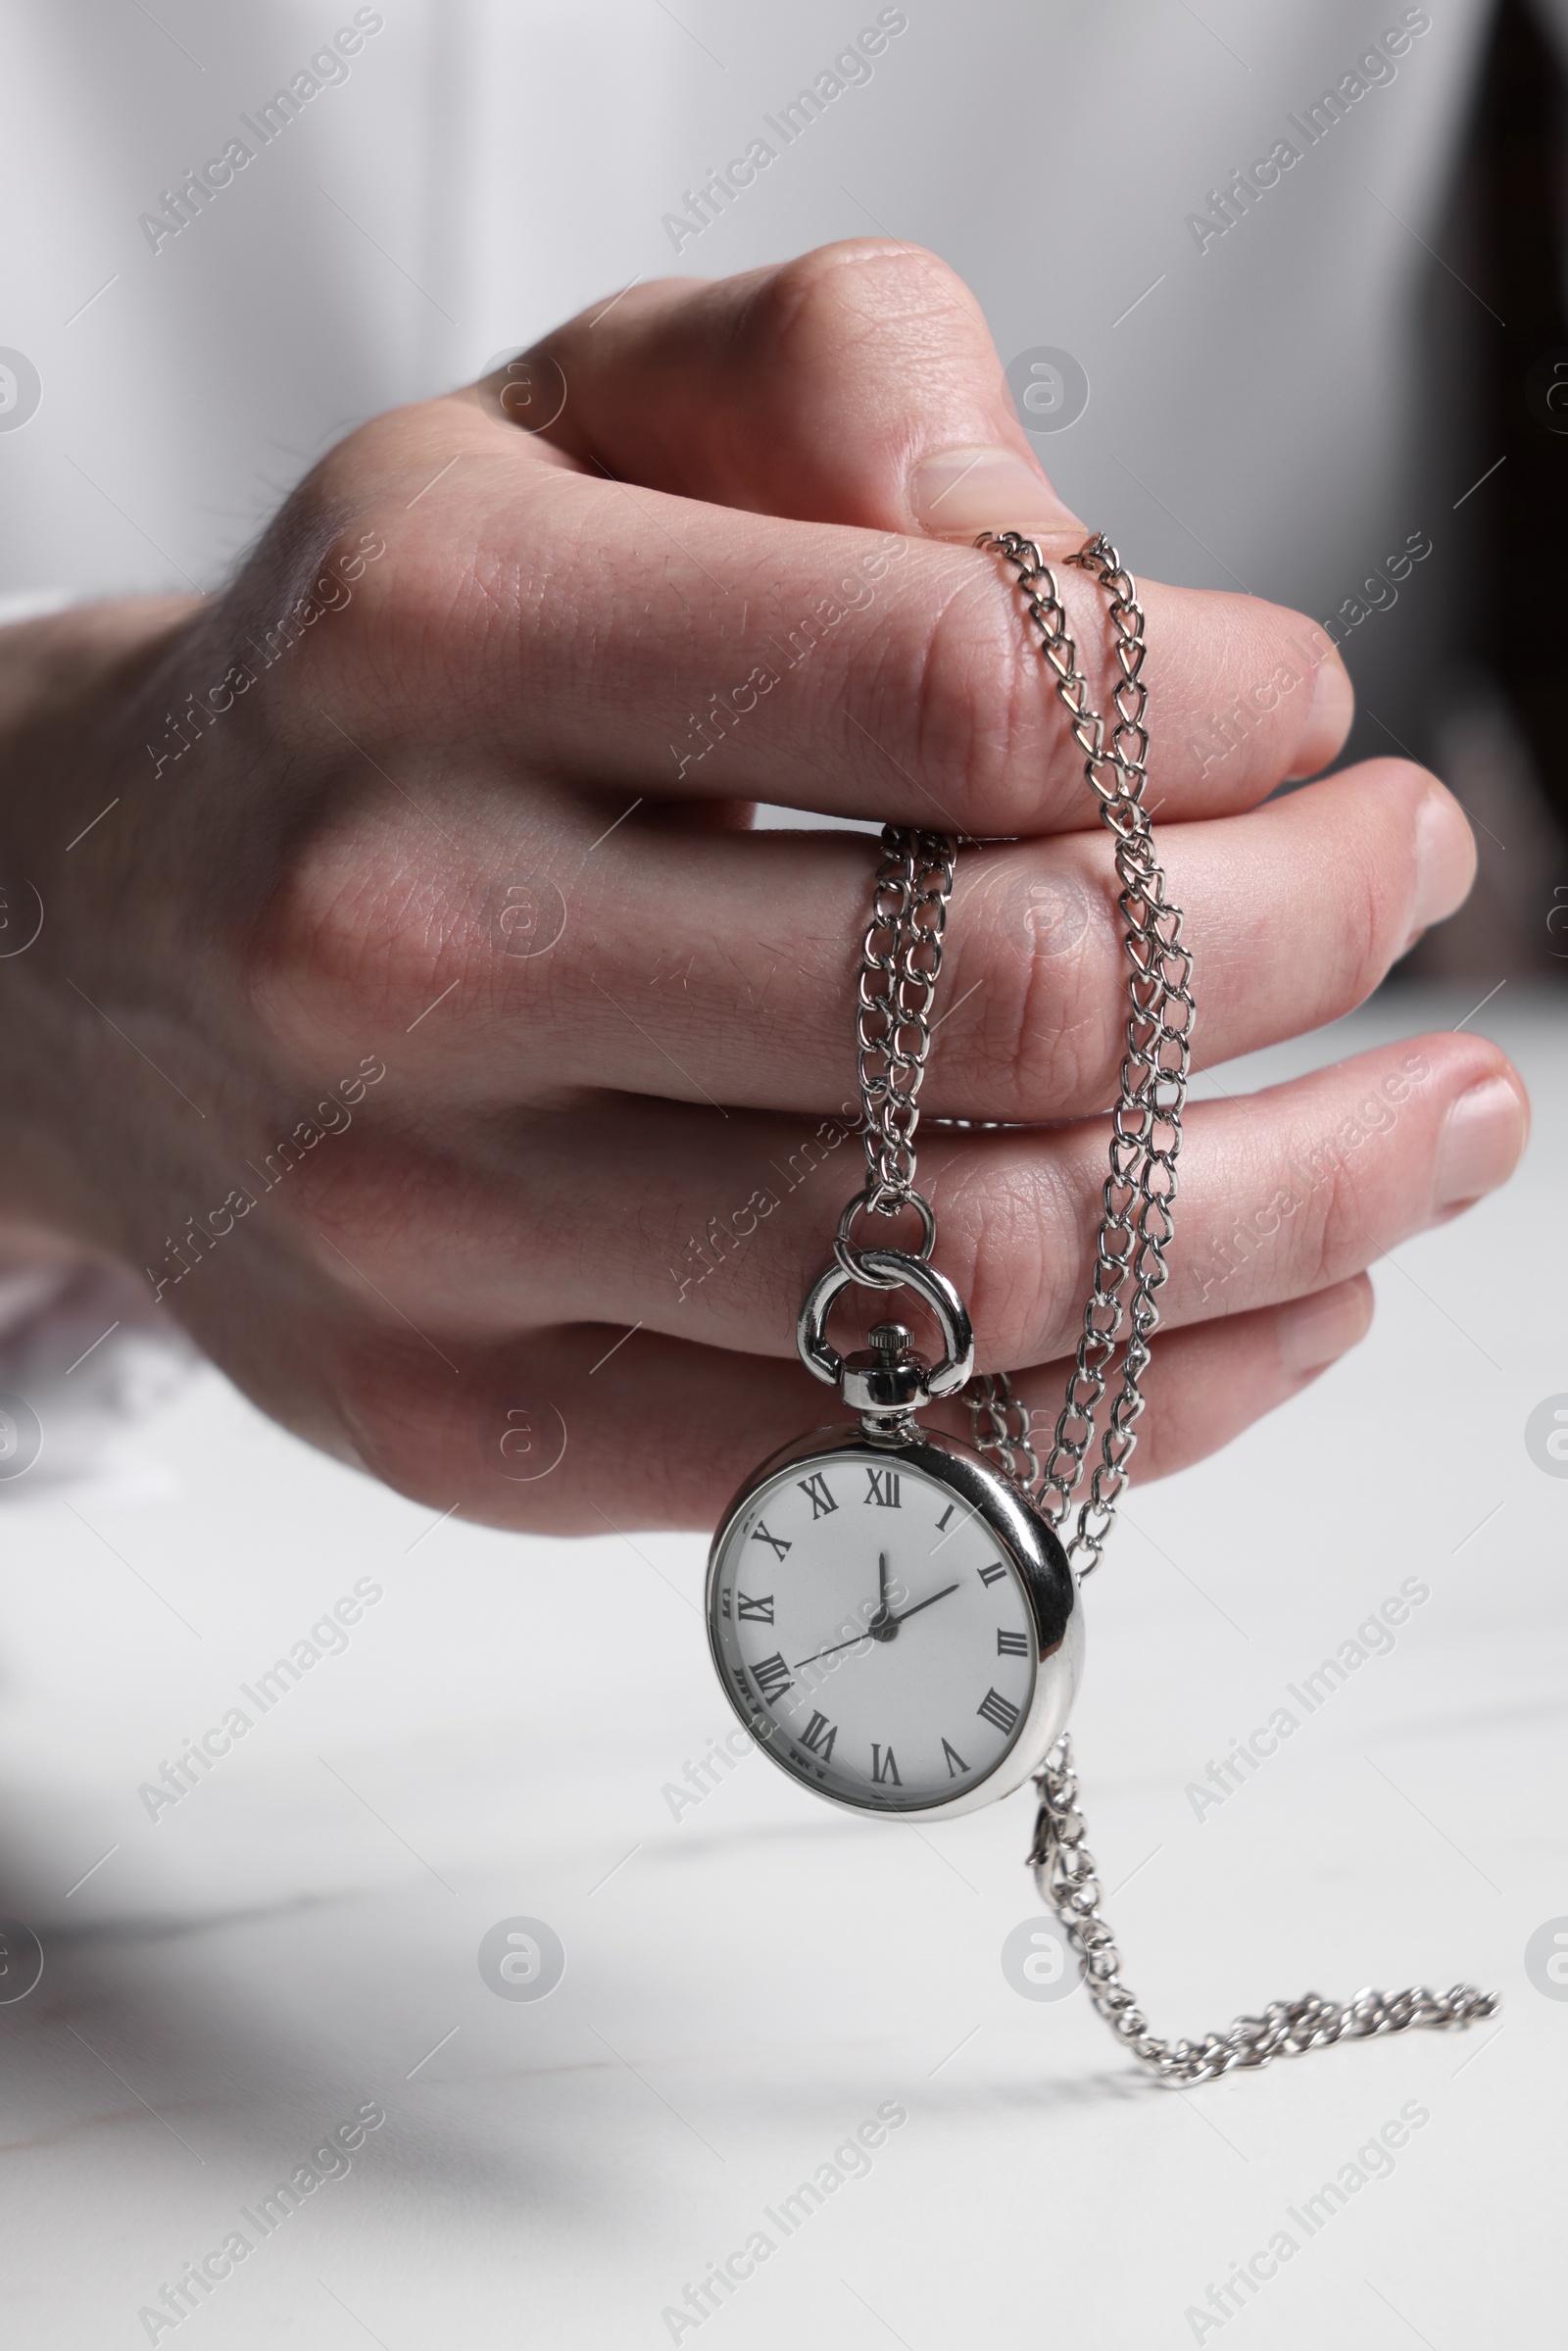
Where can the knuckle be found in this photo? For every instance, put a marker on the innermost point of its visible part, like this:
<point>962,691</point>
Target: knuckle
<point>844,288</point>
<point>1369,935</point>
<point>1336,1240</point>
<point>1046,1018</point>
<point>316,1183</point>
<point>353,935</point>
<point>391,1409</point>
<point>300,600</point>
<point>978,713</point>
<point>499,1442</point>
<point>350,592</point>
<point>999,1214</point>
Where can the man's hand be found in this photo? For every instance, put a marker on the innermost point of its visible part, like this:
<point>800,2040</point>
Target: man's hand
<point>420,1011</point>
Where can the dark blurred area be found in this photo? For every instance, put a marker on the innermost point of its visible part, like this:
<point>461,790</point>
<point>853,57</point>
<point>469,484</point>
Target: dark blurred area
<point>1487,716</point>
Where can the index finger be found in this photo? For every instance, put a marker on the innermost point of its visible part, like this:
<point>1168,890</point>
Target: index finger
<point>626,638</point>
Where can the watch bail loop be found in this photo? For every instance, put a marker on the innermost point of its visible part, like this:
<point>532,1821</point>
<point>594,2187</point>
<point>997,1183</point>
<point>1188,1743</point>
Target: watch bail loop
<point>902,1380</point>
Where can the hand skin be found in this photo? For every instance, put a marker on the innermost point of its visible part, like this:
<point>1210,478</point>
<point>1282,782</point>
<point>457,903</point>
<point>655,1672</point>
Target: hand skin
<point>746,513</point>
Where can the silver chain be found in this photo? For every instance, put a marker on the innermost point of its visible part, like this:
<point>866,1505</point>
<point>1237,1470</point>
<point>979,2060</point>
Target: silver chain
<point>900,960</point>
<point>1140,1189</point>
<point>1065,1873</point>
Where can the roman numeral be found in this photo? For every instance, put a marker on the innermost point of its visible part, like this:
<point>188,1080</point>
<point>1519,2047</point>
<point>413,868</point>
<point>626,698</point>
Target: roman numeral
<point>821,1500</point>
<point>884,1489</point>
<point>881,1771</point>
<point>760,1612</point>
<point>955,1761</point>
<point>1008,1644</point>
<point>773,1677</point>
<point>946,1515</point>
<point>760,1533</point>
<point>995,1708</point>
<point>819,1735</point>
<point>994,1573</point>
<point>724,1599</point>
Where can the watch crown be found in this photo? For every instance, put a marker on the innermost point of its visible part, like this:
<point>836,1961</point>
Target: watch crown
<point>886,1379</point>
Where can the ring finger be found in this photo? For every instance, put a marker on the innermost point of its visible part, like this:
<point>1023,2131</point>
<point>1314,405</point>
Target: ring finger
<point>728,1220</point>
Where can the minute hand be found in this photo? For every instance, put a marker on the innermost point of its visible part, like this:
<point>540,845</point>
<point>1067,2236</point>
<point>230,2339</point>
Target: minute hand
<point>905,1614</point>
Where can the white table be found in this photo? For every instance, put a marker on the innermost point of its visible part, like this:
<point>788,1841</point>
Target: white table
<point>747,1982</point>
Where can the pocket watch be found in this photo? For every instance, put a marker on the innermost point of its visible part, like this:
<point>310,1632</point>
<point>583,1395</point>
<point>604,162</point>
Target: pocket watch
<point>892,1613</point>
<point>893,1620</point>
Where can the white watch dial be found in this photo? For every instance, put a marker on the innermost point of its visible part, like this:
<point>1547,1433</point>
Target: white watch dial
<point>873,1620</point>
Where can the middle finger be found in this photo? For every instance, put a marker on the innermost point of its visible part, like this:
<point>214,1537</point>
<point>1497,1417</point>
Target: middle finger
<point>711,967</point>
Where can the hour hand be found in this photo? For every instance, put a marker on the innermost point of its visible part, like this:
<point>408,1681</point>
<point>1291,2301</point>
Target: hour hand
<point>881,1622</point>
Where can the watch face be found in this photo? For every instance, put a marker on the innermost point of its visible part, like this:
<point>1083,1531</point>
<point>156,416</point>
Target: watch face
<point>873,1627</point>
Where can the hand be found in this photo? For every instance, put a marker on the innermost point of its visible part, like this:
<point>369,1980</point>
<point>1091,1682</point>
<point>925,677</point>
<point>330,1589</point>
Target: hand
<point>425,1019</point>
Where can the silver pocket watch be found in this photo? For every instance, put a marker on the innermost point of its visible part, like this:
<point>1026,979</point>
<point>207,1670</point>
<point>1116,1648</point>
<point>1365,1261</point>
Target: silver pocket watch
<point>892,1613</point>
<point>893,1620</point>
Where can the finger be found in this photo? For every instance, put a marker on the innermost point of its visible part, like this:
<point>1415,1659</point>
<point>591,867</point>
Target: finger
<point>1206,1384</point>
<point>711,1227</point>
<point>716,968</point>
<point>625,639</point>
<point>858,383</point>
<point>520,1440</point>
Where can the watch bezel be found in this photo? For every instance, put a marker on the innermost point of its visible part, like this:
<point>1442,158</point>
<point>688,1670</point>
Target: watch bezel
<point>1033,1551</point>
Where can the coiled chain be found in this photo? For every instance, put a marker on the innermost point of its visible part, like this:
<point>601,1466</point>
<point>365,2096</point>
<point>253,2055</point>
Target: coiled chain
<point>1064,1872</point>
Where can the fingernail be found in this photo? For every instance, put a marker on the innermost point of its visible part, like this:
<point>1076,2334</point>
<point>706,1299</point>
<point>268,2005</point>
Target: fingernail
<point>1445,861</point>
<point>1314,1331</point>
<point>1327,716</point>
<point>960,492</point>
<point>1480,1143</point>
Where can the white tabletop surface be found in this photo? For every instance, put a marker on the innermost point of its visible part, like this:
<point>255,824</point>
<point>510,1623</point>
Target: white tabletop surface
<point>749,1981</point>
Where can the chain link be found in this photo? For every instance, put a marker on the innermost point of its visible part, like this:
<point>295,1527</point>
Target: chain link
<point>1065,1874</point>
<point>1002,1427</point>
<point>901,962</point>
